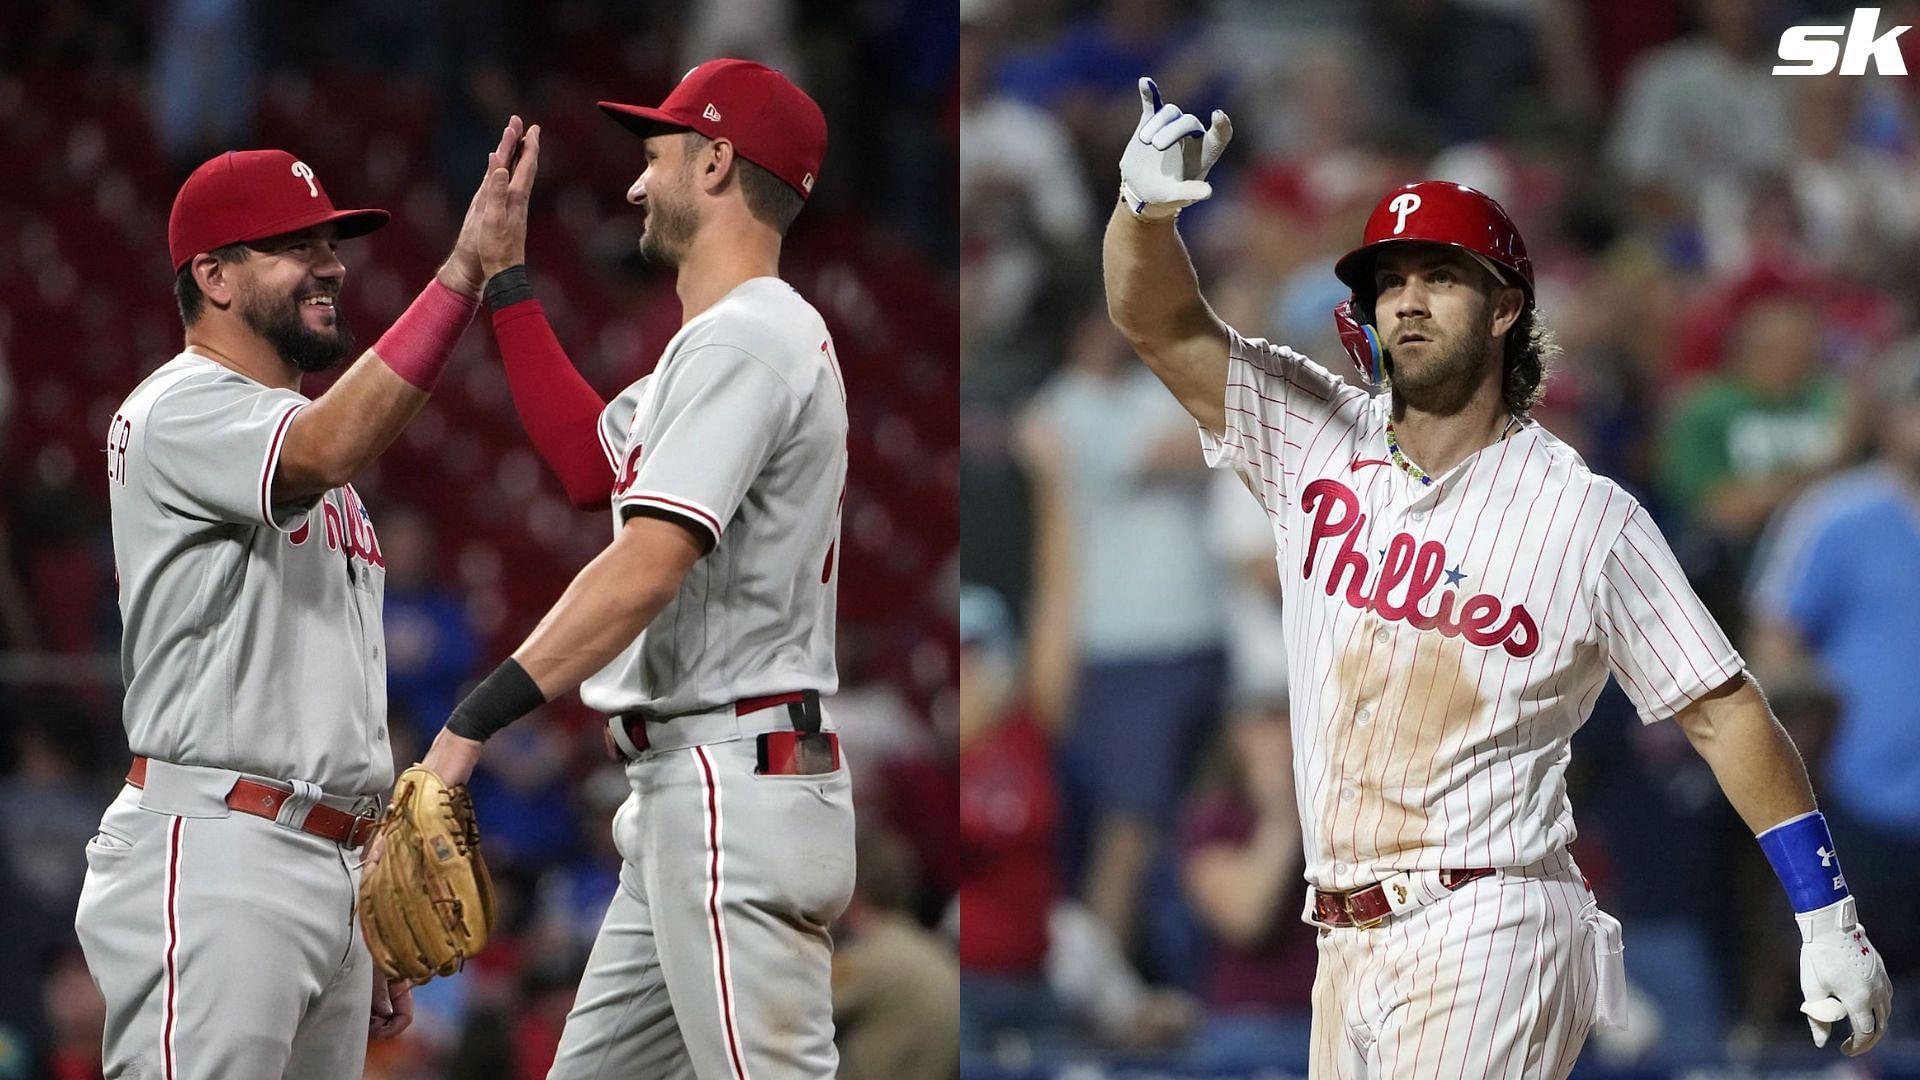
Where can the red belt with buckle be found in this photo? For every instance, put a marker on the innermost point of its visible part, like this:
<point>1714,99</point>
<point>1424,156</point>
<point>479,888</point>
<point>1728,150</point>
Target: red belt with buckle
<point>636,723</point>
<point>1368,907</point>
<point>265,800</point>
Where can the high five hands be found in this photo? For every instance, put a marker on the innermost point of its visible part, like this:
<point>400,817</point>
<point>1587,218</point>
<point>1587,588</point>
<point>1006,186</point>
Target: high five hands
<point>493,235</point>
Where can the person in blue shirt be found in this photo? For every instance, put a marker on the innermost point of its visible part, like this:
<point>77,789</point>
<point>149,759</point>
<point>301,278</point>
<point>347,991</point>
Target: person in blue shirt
<point>1837,588</point>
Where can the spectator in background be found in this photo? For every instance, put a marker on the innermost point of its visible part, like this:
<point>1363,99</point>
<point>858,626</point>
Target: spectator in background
<point>431,640</point>
<point>1741,443</point>
<point>1856,207</point>
<point>1702,108</point>
<point>76,1016</point>
<point>1010,149</point>
<point>1243,540</point>
<point>50,806</point>
<point>896,985</point>
<point>1245,875</point>
<point>1008,814</point>
<point>1147,615</point>
<point>1837,588</point>
<point>206,73</point>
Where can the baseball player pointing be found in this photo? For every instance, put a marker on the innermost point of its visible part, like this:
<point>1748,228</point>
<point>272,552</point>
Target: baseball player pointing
<point>705,628</point>
<point>1458,588</point>
<point>218,914</point>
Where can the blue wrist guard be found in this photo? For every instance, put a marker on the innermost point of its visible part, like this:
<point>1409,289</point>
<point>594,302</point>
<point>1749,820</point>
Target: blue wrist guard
<point>1801,851</point>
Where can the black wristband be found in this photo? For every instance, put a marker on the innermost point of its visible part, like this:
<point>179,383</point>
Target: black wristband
<point>501,698</point>
<point>509,287</point>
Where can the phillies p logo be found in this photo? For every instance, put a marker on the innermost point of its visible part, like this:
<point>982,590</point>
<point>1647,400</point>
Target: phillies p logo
<point>1403,204</point>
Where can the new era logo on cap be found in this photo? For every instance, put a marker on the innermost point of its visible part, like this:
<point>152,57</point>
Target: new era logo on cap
<point>770,121</point>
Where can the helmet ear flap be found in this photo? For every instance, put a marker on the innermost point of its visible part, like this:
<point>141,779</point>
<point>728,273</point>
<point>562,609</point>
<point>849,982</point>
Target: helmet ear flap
<point>1359,340</point>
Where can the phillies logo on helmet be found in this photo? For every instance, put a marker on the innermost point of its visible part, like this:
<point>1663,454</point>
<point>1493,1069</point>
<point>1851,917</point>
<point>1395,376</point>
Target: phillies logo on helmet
<point>1403,204</point>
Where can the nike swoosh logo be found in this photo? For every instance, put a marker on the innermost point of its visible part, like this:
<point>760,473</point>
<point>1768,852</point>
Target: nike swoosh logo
<point>1362,461</point>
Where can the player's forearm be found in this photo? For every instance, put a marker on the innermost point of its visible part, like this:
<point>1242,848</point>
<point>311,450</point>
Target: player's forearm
<point>608,604</point>
<point>333,439</point>
<point>1153,294</point>
<point>560,411</point>
<point>1751,756</point>
<point>1153,297</point>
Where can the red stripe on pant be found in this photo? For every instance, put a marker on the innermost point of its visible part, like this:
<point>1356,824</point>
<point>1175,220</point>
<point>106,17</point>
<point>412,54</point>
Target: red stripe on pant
<point>173,942</point>
<point>713,912</point>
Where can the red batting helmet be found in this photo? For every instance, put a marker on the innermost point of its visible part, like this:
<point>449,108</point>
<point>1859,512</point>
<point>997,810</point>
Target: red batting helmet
<point>1430,212</point>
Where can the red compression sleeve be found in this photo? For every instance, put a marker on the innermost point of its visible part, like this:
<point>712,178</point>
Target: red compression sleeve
<point>559,410</point>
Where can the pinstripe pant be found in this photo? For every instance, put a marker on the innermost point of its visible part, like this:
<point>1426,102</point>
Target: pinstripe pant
<point>1495,980</point>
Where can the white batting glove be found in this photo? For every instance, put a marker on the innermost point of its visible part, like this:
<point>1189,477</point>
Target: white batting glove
<point>1842,977</point>
<point>1166,162</point>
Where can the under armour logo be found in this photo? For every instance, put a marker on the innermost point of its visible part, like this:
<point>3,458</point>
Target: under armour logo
<point>1403,204</point>
<point>1826,857</point>
<point>305,172</point>
<point>1400,891</point>
<point>711,113</point>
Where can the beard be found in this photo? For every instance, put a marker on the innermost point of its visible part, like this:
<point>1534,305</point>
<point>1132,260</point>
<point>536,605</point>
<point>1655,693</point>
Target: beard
<point>1447,377</point>
<point>280,322</point>
<point>669,230</point>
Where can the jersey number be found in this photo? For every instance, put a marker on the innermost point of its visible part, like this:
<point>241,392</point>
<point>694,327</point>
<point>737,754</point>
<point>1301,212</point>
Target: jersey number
<point>118,436</point>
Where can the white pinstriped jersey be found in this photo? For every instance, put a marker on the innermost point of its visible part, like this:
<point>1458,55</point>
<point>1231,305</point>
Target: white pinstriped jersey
<point>741,429</point>
<point>1446,641</point>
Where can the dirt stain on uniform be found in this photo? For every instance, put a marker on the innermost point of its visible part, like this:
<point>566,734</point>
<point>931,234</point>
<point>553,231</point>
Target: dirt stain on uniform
<point>1427,705</point>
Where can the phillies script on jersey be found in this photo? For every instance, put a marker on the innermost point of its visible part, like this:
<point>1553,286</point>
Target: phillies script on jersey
<point>1419,565</point>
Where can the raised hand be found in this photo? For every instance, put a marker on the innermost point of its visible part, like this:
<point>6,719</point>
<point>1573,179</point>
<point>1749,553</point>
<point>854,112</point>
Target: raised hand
<point>462,272</point>
<point>1165,165</point>
<point>501,236</point>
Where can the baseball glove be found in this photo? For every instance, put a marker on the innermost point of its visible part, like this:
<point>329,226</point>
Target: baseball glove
<point>426,902</point>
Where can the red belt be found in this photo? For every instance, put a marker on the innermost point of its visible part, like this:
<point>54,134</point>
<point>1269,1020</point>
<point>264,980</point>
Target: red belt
<point>265,800</point>
<point>1367,907</point>
<point>636,723</point>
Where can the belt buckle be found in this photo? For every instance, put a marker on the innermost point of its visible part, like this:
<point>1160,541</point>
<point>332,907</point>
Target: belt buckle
<point>1346,905</point>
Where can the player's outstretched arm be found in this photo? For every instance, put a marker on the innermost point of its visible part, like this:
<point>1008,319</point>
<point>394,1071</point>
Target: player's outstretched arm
<point>606,607</point>
<point>1841,975</point>
<point>1153,294</point>
<point>559,409</point>
<point>330,441</point>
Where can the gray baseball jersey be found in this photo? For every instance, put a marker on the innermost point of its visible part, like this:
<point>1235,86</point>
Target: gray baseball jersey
<point>252,634</point>
<point>742,429</point>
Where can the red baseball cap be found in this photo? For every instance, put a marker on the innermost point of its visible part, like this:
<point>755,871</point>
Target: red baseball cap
<point>770,121</point>
<point>251,195</point>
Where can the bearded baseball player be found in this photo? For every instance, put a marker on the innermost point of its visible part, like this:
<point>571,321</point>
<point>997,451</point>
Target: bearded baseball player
<point>217,915</point>
<point>705,628</point>
<point>1458,587</point>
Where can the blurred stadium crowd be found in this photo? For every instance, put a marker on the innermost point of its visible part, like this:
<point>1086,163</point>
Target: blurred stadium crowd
<point>104,107</point>
<point>1727,258</point>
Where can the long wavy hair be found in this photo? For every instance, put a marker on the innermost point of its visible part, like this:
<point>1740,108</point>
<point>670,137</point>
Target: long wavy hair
<point>1530,352</point>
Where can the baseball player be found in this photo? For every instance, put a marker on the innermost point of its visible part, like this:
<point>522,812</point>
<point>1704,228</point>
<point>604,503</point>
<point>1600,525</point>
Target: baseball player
<point>217,915</point>
<point>705,629</point>
<point>1457,588</point>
